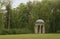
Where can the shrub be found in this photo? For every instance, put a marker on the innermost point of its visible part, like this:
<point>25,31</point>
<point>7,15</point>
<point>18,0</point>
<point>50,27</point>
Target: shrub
<point>15,31</point>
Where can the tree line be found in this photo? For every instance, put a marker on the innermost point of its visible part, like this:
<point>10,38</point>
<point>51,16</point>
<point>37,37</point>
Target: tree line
<point>21,20</point>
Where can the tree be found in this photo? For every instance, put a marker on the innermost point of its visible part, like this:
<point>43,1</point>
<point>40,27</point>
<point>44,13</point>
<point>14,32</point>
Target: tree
<point>8,14</point>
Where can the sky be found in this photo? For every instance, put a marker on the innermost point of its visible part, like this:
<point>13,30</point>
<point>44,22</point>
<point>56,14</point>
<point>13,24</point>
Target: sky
<point>17,2</point>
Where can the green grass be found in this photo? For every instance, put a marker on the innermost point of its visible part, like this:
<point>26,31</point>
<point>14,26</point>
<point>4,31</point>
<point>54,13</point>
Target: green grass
<point>31,36</point>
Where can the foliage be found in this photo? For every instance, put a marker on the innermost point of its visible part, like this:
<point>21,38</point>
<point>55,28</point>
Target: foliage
<point>22,18</point>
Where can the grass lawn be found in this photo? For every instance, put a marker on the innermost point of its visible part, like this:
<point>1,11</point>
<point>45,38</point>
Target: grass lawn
<point>31,36</point>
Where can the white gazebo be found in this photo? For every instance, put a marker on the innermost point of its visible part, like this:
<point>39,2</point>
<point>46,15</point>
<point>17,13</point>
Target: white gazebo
<point>39,26</point>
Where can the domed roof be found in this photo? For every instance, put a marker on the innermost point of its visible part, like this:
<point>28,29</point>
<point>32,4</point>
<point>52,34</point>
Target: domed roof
<point>40,20</point>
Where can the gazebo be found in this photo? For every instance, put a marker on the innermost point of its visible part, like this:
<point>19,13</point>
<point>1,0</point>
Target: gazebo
<point>39,26</point>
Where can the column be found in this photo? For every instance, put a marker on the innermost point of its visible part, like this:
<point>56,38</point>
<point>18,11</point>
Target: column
<point>40,29</point>
<point>36,29</point>
<point>43,29</point>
